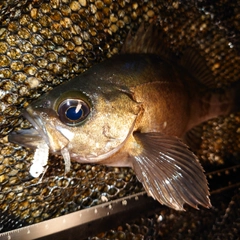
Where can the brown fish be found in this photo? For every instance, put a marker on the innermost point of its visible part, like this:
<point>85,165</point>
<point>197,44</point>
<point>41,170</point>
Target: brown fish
<point>133,110</point>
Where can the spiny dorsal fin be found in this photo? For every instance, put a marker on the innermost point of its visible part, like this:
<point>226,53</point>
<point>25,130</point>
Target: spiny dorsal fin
<point>149,40</point>
<point>196,65</point>
<point>152,40</point>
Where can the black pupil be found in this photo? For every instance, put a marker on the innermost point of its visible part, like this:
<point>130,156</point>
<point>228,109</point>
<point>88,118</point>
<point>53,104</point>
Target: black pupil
<point>73,114</point>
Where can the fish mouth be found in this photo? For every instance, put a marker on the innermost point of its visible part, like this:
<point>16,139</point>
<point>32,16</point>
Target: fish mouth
<point>38,135</point>
<point>30,137</point>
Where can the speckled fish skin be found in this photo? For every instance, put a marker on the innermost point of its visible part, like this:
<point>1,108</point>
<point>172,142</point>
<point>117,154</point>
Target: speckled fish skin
<point>140,105</point>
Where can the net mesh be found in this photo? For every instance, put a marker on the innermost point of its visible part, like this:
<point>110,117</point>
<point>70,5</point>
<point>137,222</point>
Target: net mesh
<point>44,43</point>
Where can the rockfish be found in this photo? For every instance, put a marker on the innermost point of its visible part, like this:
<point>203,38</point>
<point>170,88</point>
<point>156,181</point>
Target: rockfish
<point>133,110</point>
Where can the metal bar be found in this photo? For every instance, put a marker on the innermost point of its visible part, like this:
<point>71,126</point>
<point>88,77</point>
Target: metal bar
<point>91,221</point>
<point>86,222</point>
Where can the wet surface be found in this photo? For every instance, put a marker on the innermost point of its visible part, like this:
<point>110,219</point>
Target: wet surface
<point>44,43</point>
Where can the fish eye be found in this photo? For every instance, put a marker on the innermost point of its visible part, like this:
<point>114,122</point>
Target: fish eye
<point>73,111</point>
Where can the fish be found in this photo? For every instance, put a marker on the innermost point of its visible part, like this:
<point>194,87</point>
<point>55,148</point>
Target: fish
<point>141,109</point>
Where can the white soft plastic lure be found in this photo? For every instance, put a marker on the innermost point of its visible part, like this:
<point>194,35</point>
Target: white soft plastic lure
<point>40,159</point>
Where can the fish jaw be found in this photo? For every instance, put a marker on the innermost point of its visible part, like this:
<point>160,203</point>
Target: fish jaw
<point>47,134</point>
<point>38,124</point>
<point>45,125</point>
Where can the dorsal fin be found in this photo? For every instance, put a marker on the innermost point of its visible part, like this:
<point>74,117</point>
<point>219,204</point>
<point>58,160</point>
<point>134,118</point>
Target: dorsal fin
<point>148,39</point>
<point>196,65</point>
<point>152,40</point>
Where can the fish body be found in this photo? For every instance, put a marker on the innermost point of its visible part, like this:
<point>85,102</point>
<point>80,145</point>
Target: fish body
<point>133,110</point>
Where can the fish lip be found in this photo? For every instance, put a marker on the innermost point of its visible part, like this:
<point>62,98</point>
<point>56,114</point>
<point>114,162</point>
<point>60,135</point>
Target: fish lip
<point>36,121</point>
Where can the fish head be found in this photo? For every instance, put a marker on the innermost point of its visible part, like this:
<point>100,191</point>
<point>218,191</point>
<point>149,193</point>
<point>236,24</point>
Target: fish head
<point>88,116</point>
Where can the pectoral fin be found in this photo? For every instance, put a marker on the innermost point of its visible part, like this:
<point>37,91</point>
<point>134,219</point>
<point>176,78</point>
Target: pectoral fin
<point>169,171</point>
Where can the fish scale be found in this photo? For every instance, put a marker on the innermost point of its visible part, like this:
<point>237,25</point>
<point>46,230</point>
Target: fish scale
<point>182,24</point>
